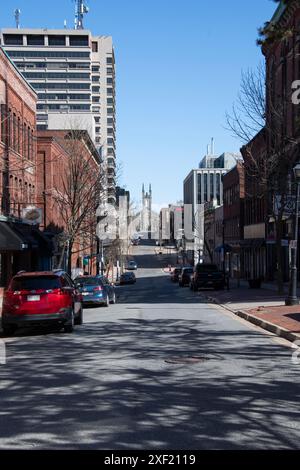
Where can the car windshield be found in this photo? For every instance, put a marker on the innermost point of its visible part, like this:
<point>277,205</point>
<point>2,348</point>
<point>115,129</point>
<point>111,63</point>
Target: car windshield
<point>188,270</point>
<point>88,281</point>
<point>35,283</point>
<point>201,268</point>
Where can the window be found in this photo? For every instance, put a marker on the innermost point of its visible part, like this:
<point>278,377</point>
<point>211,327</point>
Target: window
<point>97,119</point>
<point>96,89</point>
<point>64,96</point>
<point>35,40</point>
<point>95,68</point>
<point>57,76</point>
<point>211,183</point>
<point>13,39</point>
<point>80,107</point>
<point>35,283</point>
<point>80,65</point>
<point>95,78</point>
<point>61,86</point>
<point>79,41</point>
<point>50,54</point>
<point>110,101</point>
<point>28,143</point>
<point>3,122</point>
<point>96,99</point>
<point>110,120</point>
<point>19,136</point>
<point>109,70</point>
<point>97,129</point>
<point>95,46</point>
<point>109,81</point>
<point>110,91</point>
<point>218,188</point>
<point>205,187</point>
<point>54,40</point>
<point>109,60</point>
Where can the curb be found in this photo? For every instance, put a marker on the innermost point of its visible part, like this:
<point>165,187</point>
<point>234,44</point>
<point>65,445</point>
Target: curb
<point>268,326</point>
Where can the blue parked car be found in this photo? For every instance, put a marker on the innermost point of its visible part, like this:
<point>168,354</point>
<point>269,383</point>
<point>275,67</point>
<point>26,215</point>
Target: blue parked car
<point>96,290</point>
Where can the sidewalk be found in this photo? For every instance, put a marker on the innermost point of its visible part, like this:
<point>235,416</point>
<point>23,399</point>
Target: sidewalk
<point>263,307</point>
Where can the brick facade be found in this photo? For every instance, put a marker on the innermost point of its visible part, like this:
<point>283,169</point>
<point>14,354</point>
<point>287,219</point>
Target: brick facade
<point>17,140</point>
<point>53,164</point>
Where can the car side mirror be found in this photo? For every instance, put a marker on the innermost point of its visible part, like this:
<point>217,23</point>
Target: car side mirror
<point>67,289</point>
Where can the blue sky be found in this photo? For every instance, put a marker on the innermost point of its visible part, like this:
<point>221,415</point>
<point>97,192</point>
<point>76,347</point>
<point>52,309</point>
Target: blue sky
<point>178,71</point>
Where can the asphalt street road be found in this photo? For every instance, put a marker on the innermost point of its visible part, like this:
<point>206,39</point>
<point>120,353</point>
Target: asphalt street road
<point>161,369</point>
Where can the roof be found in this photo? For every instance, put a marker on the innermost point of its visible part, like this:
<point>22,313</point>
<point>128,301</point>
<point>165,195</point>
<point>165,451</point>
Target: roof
<point>39,273</point>
<point>18,71</point>
<point>279,12</point>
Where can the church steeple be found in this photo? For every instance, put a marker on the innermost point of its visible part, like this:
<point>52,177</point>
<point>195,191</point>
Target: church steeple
<point>146,217</point>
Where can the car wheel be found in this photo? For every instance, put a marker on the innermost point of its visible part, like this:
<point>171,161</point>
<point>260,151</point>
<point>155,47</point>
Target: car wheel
<point>8,330</point>
<point>107,301</point>
<point>79,319</point>
<point>114,299</point>
<point>69,326</point>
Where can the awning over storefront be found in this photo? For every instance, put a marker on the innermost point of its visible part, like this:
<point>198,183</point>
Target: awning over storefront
<point>226,248</point>
<point>25,231</point>
<point>10,240</point>
<point>253,243</point>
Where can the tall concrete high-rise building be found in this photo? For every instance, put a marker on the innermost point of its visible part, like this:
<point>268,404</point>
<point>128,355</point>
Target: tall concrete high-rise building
<point>73,73</point>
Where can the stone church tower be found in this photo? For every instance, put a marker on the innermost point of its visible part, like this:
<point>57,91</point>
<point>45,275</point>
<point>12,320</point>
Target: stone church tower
<point>146,219</point>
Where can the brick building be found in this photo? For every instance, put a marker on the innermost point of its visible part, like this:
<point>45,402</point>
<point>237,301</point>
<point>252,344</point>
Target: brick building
<point>274,149</point>
<point>53,163</point>
<point>234,194</point>
<point>22,245</point>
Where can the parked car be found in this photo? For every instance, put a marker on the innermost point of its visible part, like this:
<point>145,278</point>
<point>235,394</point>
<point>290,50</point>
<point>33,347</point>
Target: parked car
<point>131,265</point>
<point>175,274</point>
<point>127,278</point>
<point>96,290</point>
<point>207,275</point>
<point>185,275</point>
<point>40,298</point>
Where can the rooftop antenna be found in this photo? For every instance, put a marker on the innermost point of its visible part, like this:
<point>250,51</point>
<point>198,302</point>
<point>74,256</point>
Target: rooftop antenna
<point>65,24</point>
<point>17,13</point>
<point>212,146</point>
<point>80,10</point>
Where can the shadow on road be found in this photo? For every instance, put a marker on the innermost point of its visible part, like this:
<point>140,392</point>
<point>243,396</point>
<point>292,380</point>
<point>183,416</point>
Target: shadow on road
<point>108,386</point>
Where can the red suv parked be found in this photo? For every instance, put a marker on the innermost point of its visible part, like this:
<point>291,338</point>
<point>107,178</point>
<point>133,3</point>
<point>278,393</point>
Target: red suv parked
<point>41,298</point>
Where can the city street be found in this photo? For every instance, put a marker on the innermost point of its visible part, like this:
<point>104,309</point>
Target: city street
<point>160,369</point>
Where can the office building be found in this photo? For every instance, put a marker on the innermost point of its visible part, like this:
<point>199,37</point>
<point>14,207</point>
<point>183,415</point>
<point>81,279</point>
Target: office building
<point>73,73</point>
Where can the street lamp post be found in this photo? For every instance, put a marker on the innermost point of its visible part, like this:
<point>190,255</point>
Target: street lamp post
<point>292,298</point>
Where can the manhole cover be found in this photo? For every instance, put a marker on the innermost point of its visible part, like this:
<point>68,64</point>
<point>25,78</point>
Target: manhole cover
<point>186,360</point>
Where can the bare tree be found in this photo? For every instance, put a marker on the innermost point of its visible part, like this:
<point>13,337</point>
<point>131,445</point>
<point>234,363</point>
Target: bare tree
<point>260,113</point>
<point>78,193</point>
